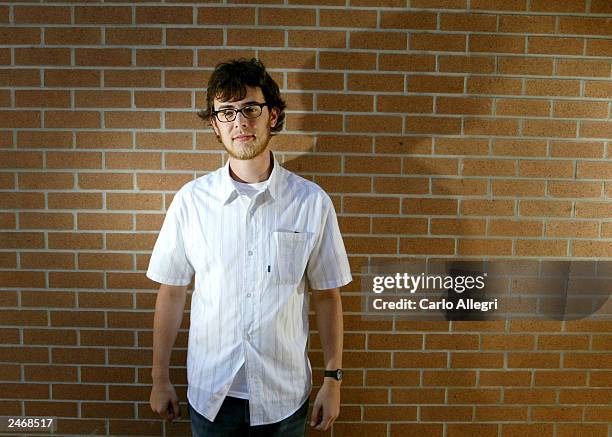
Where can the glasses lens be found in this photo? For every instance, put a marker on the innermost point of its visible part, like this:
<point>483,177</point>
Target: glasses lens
<point>251,111</point>
<point>226,115</point>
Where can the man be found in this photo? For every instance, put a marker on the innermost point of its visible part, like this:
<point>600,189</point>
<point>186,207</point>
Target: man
<point>252,232</point>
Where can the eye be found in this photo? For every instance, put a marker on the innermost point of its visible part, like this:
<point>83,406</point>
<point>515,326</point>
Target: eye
<point>250,110</point>
<point>227,113</point>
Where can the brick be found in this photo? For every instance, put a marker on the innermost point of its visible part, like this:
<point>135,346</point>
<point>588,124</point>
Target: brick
<point>185,79</point>
<point>555,46</point>
<point>120,201</point>
<point>592,248</point>
<point>347,61</point>
<point>483,247</point>
<point>77,160</point>
<point>465,430</point>
<point>471,396</point>
<point>104,140</point>
<point>549,128</point>
<point>211,57</point>
<point>429,246</point>
<point>598,47</point>
<point>529,396</point>
<point>10,159</point>
<point>165,182</point>
<point>451,341</point>
<point>584,25</point>
<point>372,123</point>
<point>600,6</point>
<point>545,208</point>
<point>47,99</point>
<point>552,87</point>
<point>132,78</point>
<point>598,414</point>
<point>221,15</point>
<point>582,430</point>
<point>16,200</point>
<point>316,81</point>
<point>523,107</point>
<point>555,378</point>
<point>500,414</point>
<point>133,160</point>
<point>94,221</point>
<point>20,119</point>
<point>135,36</point>
<point>564,6</point>
<point>34,220</point>
<point>104,410</point>
<point>21,240</point>
<point>20,36</point>
<point>487,207</point>
<point>541,248</point>
<point>78,392</point>
<point>505,378</point>
<point>402,144</point>
<point>382,82</point>
<point>103,15</point>
<point>72,78</point>
<point>515,228</point>
<point>526,66</point>
<point>41,15</point>
<point>583,68</point>
<point>445,413</point>
<point>73,240</point>
<point>8,221</point>
<point>430,166</point>
<point>102,99</point>
<point>164,57</point>
<point>24,318</point>
<point>507,342</point>
<point>437,4</point>
<point>497,5</point>
<point>48,260</point>
<point>461,146</point>
<point>527,430</point>
<point>370,245</point>
<point>72,119</point>
<point>585,396</point>
<point>164,15</point>
<point>515,147</point>
<point>462,187</point>
<point>526,24</point>
<point>593,170</point>
<point>499,86</point>
<point>123,241</point>
<point>580,109</point>
<point>105,181</point>
<point>132,120</point>
<point>429,206</point>
<point>191,161</point>
<point>533,360</point>
<point>574,189</point>
<point>399,225</point>
<point>455,227</point>
<point>463,105</point>
<point>593,209</point>
<point>72,36</point>
<point>489,167</point>
<point>418,396</point>
<point>595,129</point>
<point>261,38</point>
<point>441,125</point>
<point>572,229</point>
<point>497,44</point>
<point>467,22</point>
<point>405,62</point>
<point>437,42</point>
<point>287,17</point>
<point>104,57</point>
<point>466,64</point>
<point>435,84</point>
<point>408,20</point>
<point>311,164</point>
<point>115,338</point>
<point>339,102</point>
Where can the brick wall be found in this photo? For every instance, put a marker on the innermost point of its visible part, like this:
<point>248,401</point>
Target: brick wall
<point>453,128</point>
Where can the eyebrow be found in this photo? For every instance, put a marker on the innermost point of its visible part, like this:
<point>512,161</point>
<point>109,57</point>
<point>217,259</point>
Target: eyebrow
<point>228,106</point>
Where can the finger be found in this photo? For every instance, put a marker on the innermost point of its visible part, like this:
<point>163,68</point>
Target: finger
<point>169,411</point>
<point>315,416</point>
<point>177,408</point>
<point>324,421</point>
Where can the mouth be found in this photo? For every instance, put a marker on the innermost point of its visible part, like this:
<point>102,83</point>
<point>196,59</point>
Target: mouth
<point>243,138</point>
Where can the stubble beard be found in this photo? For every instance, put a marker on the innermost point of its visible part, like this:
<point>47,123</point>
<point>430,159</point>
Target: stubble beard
<point>249,150</point>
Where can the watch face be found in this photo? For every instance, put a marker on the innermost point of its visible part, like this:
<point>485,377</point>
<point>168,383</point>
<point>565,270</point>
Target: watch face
<point>339,374</point>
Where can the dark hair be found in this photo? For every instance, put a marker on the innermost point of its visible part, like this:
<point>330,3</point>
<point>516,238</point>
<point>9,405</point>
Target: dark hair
<point>229,81</point>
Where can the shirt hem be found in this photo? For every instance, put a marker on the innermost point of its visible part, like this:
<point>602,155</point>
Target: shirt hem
<point>336,283</point>
<point>165,280</point>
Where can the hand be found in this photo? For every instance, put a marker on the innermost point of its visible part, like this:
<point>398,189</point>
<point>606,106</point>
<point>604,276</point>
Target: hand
<point>164,400</point>
<point>326,405</point>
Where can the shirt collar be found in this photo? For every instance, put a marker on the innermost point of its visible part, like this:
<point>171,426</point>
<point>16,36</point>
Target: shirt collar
<point>230,192</point>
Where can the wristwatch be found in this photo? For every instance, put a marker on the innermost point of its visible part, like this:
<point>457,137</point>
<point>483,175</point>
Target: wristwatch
<point>336,374</point>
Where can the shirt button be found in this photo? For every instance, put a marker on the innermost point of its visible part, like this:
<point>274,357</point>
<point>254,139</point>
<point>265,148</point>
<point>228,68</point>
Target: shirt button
<point>250,252</point>
<point>248,294</point>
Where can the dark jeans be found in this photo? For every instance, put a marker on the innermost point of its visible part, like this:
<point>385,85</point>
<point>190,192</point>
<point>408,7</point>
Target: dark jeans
<point>233,421</point>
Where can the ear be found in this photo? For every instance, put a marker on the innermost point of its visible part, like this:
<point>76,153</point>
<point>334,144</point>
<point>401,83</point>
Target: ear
<point>213,123</point>
<point>273,117</point>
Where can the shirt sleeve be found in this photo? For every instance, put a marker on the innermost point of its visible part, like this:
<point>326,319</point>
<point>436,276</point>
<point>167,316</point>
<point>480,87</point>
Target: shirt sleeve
<point>169,264</point>
<point>328,265</point>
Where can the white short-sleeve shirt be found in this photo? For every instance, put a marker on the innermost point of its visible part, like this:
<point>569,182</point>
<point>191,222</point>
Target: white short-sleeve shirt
<point>250,305</point>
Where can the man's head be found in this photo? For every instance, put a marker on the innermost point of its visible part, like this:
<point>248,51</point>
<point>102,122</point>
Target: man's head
<point>243,85</point>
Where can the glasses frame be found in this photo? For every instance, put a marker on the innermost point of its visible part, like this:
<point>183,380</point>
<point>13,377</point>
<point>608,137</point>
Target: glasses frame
<point>236,111</point>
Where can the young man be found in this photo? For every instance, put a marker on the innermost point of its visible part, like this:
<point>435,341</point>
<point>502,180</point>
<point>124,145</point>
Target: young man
<point>252,232</point>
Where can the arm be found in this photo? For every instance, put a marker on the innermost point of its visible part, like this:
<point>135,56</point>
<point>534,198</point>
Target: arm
<point>328,313</point>
<point>169,308</point>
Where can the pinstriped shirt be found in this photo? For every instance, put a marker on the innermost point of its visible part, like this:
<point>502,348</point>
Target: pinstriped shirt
<point>250,303</point>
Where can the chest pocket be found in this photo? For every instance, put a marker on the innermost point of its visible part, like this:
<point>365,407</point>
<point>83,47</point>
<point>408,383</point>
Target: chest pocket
<point>292,251</point>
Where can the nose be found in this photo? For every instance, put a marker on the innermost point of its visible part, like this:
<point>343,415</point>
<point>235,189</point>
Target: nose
<point>240,119</point>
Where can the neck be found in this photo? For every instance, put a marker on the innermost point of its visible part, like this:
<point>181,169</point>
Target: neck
<point>251,171</point>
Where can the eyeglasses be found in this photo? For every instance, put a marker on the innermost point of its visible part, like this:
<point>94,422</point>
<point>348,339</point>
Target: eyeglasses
<point>252,110</point>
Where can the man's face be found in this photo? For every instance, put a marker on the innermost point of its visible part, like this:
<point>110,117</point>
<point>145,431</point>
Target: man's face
<point>245,138</point>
